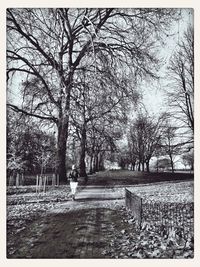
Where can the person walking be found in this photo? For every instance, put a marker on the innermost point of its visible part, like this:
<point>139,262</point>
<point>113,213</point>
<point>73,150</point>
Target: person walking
<point>73,177</point>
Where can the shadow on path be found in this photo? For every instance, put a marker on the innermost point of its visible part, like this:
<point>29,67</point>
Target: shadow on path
<point>75,234</point>
<point>74,229</point>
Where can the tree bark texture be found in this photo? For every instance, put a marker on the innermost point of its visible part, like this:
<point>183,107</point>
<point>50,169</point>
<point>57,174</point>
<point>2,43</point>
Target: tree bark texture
<point>82,154</point>
<point>61,148</point>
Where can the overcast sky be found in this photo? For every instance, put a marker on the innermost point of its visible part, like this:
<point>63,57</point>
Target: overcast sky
<point>153,94</point>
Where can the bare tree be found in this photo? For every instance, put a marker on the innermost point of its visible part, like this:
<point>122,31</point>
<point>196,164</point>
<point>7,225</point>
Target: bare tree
<point>49,46</point>
<point>181,72</point>
<point>102,138</point>
<point>145,137</point>
<point>131,153</point>
<point>170,144</point>
<point>29,149</point>
<point>104,99</point>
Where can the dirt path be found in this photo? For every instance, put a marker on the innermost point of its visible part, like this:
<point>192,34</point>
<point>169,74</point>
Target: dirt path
<point>74,229</point>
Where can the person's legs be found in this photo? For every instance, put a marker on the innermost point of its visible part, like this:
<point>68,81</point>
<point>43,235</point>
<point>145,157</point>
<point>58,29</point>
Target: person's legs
<point>74,189</point>
<point>73,186</point>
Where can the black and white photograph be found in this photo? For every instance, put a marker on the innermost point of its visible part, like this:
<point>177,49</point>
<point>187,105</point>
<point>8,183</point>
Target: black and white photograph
<point>100,133</point>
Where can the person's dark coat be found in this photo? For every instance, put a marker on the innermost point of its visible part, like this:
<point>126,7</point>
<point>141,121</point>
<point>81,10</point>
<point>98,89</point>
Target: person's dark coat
<point>73,175</point>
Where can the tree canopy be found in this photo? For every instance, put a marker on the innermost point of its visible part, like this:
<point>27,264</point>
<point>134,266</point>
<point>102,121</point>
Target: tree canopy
<point>80,69</point>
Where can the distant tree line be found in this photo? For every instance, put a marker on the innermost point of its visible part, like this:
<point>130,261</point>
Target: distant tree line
<point>149,137</point>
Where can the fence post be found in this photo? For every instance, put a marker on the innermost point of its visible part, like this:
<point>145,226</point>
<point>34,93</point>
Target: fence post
<point>134,203</point>
<point>57,179</point>
<point>36,186</point>
<point>40,183</point>
<point>44,186</point>
<point>23,179</point>
<point>53,180</point>
<point>11,180</point>
<point>17,180</point>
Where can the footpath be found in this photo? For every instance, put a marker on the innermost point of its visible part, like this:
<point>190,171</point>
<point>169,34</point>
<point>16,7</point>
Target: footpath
<point>73,229</point>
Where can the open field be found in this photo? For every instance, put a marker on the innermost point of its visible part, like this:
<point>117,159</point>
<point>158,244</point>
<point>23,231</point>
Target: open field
<point>120,177</point>
<point>179,192</point>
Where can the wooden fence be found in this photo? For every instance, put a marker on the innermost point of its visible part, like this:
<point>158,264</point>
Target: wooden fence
<point>134,203</point>
<point>40,181</point>
<point>159,213</point>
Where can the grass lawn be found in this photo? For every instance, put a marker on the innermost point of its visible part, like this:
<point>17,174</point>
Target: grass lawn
<point>125,177</point>
<point>174,192</point>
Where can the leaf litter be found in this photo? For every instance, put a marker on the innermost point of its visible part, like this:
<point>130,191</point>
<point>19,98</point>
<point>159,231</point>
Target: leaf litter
<point>127,239</point>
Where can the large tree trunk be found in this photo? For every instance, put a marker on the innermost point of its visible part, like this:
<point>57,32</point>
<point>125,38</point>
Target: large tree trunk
<point>96,163</point>
<point>101,162</point>
<point>172,163</point>
<point>82,165</point>
<point>143,166</point>
<point>157,167</point>
<point>133,166</point>
<point>147,165</point>
<point>139,169</point>
<point>61,149</point>
<point>192,167</point>
<point>91,164</point>
<point>63,124</point>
